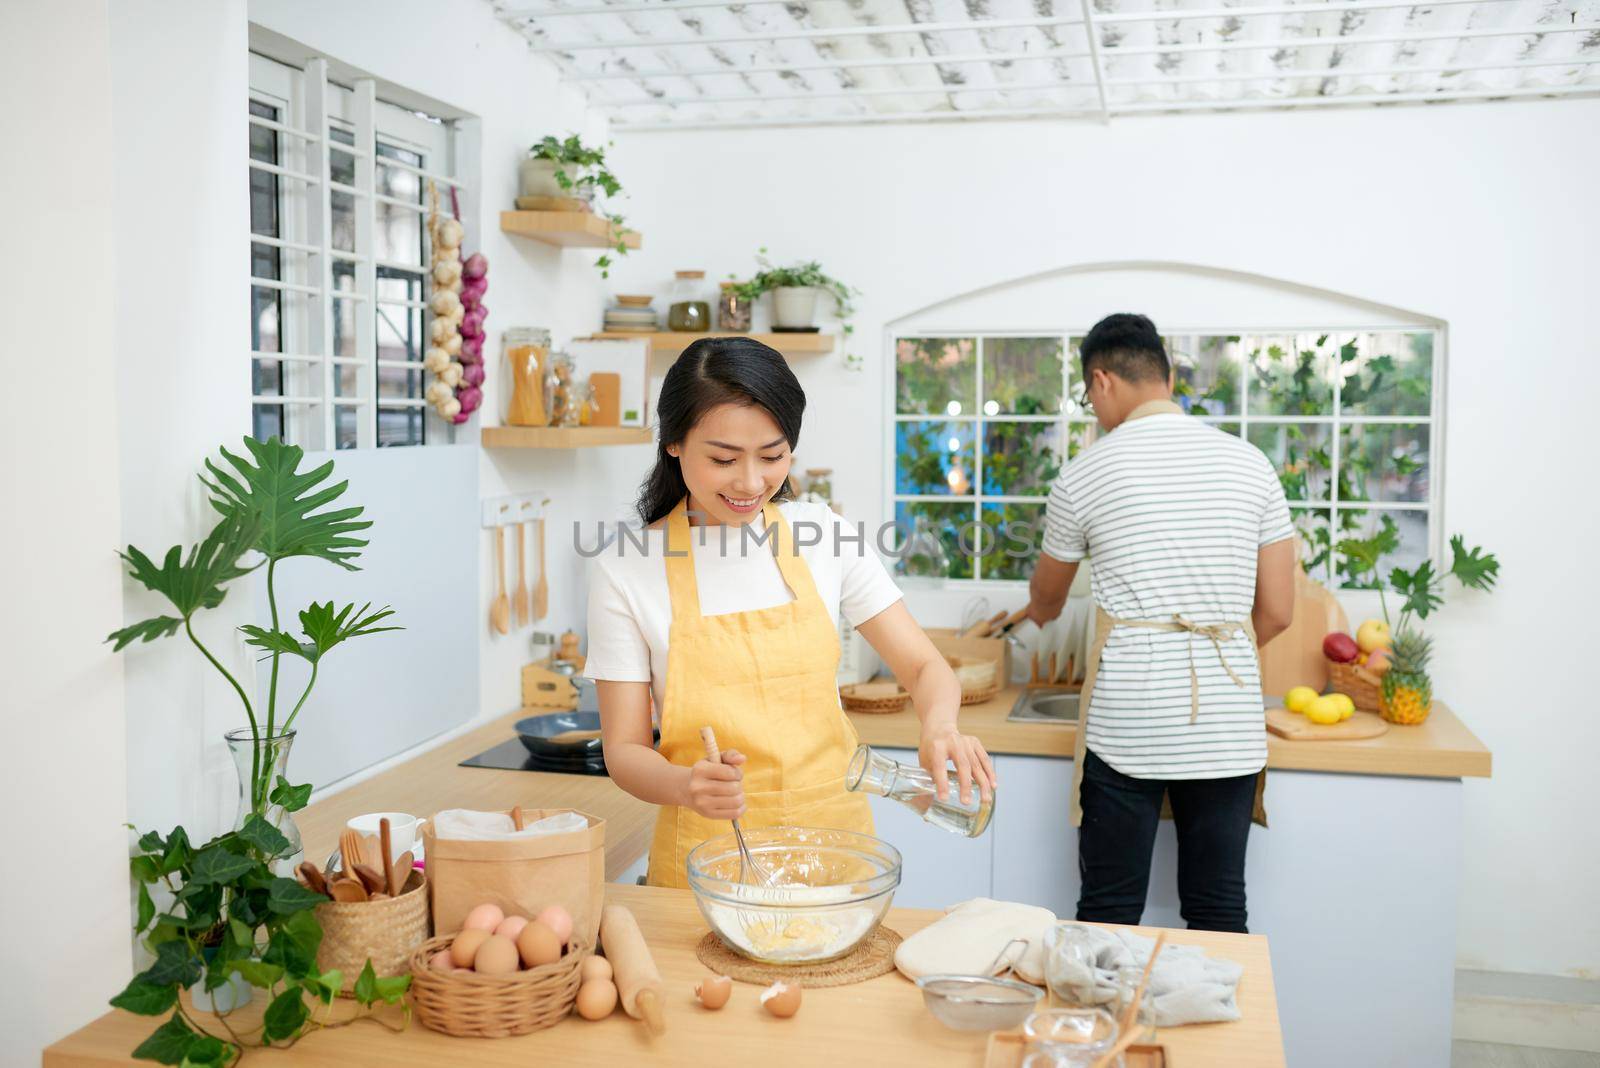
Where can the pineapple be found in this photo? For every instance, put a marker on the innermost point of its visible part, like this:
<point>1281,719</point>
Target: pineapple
<point>1406,695</point>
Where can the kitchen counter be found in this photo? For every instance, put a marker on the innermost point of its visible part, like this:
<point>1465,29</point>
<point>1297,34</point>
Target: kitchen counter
<point>881,1021</point>
<point>1441,748</point>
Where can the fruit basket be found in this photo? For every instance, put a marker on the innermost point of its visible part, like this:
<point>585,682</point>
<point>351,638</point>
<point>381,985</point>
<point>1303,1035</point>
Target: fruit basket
<point>1363,687</point>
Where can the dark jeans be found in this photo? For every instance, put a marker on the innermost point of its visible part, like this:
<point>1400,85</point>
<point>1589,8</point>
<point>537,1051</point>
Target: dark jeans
<point>1120,816</point>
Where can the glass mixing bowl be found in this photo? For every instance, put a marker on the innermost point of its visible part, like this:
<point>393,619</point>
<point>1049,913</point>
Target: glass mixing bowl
<point>831,889</point>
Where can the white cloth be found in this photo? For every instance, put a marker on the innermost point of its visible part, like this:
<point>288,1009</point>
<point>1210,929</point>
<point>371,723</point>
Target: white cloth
<point>630,610</point>
<point>1172,514</point>
<point>1186,986</point>
<point>465,825</point>
<point>972,939</point>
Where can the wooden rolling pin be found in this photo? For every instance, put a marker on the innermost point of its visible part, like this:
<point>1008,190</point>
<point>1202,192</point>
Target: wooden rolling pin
<point>638,982</point>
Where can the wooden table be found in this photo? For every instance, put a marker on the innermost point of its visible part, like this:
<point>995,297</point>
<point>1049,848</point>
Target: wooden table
<point>879,1022</point>
<point>1442,747</point>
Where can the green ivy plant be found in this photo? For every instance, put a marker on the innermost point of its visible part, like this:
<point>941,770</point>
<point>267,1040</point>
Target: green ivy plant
<point>808,275</point>
<point>581,171</point>
<point>268,507</point>
<point>229,913</point>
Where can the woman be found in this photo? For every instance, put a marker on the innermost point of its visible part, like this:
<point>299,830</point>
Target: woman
<point>741,635</point>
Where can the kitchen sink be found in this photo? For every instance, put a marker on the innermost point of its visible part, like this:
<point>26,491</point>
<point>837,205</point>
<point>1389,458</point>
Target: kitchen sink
<point>1045,705</point>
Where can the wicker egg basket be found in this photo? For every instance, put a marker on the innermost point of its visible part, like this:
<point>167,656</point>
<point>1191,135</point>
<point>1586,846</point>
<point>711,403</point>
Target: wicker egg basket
<point>384,932</point>
<point>469,1005</point>
<point>1359,684</point>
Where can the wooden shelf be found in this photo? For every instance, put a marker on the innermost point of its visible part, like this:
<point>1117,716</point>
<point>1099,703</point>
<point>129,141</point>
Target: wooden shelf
<point>673,342</point>
<point>571,229</point>
<point>564,437</point>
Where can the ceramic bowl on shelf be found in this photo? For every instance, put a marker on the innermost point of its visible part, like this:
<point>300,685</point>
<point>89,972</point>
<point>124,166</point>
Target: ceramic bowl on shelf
<point>830,891</point>
<point>634,300</point>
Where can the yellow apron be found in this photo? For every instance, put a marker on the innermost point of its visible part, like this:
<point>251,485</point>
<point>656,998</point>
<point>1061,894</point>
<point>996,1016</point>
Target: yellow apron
<point>1103,623</point>
<point>764,681</point>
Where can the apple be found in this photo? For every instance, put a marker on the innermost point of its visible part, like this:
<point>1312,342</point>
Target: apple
<point>1373,634</point>
<point>1340,648</point>
<point>1378,662</point>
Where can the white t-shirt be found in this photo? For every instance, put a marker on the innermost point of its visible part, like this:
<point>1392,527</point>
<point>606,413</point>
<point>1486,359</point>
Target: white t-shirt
<point>1171,514</point>
<point>630,609</point>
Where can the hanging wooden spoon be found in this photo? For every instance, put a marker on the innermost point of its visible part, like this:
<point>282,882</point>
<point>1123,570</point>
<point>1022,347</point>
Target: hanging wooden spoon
<point>541,589</point>
<point>500,610</point>
<point>519,595</point>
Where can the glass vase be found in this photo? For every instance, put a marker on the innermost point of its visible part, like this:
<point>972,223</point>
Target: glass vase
<point>259,762</point>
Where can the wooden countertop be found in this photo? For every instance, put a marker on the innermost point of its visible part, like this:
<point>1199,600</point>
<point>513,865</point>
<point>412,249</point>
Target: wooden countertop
<point>881,1021</point>
<point>1440,748</point>
<point>435,780</point>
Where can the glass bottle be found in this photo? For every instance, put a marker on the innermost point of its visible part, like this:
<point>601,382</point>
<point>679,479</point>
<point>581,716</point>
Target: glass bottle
<point>689,311</point>
<point>873,773</point>
<point>558,390</point>
<point>733,309</point>
<point>924,554</point>
<point>259,764</point>
<point>584,402</point>
<point>527,349</point>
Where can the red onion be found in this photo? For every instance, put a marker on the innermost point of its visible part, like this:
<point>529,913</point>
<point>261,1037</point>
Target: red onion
<point>476,266</point>
<point>471,398</point>
<point>472,323</point>
<point>461,417</point>
<point>471,350</point>
<point>473,291</point>
<point>472,374</point>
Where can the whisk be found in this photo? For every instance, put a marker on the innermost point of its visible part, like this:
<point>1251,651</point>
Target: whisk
<point>747,862</point>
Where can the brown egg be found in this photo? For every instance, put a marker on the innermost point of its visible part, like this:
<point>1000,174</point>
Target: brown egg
<point>441,962</point>
<point>497,956</point>
<point>538,945</point>
<point>596,999</point>
<point>594,968</point>
<point>465,946</point>
<point>781,999</point>
<point>715,991</point>
<point>486,917</point>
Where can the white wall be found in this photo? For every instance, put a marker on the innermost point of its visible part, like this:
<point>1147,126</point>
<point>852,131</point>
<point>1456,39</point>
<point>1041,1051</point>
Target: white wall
<point>1471,214</point>
<point>62,725</point>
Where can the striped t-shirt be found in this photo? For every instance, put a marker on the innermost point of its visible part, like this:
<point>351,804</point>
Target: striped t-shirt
<point>1171,513</point>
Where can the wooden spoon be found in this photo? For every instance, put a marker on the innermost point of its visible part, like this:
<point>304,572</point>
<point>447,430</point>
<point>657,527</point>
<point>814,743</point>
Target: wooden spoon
<point>347,890</point>
<point>312,877</point>
<point>541,589</point>
<point>385,857</point>
<point>399,873</point>
<point>370,879</point>
<point>500,610</point>
<point>516,816</point>
<point>519,595</point>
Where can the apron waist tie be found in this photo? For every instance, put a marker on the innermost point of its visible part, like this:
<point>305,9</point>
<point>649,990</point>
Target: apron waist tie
<point>1217,632</point>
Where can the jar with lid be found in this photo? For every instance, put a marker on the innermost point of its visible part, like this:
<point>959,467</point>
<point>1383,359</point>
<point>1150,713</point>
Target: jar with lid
<point>558,384</point>
<point>690,311</point>
<point>527,351</point>
<point>733,309</point>
<point>583,402</point>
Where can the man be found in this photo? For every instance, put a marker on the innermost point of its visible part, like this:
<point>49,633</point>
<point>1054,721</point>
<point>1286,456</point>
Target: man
<point>1192,550</point>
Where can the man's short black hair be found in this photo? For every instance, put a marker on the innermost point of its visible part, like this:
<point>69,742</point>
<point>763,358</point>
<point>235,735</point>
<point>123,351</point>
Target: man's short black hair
<point>1126,345</point>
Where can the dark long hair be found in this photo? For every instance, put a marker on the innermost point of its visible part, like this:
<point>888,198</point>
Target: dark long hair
<point>711,372</point>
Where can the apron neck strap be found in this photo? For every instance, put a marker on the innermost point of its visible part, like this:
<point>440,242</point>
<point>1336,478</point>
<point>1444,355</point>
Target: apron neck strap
<point>681,584</point>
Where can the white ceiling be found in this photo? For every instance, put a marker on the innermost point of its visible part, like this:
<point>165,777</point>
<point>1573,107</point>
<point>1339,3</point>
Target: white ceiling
<point>652,64</point>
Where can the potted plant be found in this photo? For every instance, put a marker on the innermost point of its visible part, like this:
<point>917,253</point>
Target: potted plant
<point>232,927</point>
<point>270,511</point>
<point>568,169</point>
<point>1405,693</point>
<point>794,292</point>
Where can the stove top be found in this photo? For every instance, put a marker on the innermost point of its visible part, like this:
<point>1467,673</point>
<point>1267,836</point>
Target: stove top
<point>512,755</point>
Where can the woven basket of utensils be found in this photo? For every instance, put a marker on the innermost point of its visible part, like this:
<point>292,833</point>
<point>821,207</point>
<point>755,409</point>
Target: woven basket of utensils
<point>469,1005</point>
<point>384,931</point>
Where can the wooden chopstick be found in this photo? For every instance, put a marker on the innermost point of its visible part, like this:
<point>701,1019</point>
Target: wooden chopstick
<point>1109,1057</point>
<point>1131,1013</point>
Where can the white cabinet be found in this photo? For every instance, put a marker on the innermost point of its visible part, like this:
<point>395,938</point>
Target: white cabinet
<point>939,868</point>
<point>1035,844</point>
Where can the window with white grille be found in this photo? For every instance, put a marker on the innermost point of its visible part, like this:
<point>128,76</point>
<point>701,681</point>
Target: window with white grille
<point>339,258</point>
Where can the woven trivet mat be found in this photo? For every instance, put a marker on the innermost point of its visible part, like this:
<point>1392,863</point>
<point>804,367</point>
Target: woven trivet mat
<point>872,958</point>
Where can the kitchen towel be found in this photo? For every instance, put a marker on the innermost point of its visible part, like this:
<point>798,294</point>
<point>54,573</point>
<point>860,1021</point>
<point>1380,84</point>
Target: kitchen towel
<point>1186,986</point>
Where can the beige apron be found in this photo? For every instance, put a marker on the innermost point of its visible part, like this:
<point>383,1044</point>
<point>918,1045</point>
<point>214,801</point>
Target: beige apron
<point>1103,623</point>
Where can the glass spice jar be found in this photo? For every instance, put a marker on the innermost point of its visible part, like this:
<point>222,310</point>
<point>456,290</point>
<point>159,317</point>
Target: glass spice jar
<point>559,384</point>
<point>689,311</point>
<point>583,401</point>
<point>733,309</point>
<point>527,350</point>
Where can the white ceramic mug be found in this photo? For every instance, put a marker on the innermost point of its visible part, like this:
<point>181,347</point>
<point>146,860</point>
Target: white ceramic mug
<point>404,830</point>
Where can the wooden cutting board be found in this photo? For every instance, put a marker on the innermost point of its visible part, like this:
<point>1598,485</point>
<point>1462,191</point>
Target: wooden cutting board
<point>1297,728</point>
<point>1294,658</point>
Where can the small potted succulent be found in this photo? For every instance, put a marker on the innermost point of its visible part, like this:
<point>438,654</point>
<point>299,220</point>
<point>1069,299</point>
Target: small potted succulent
<point>557,171</point>
<point>794,292</point>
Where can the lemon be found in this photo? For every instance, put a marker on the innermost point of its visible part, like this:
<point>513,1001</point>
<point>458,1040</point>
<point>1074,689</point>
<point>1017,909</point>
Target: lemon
<point>1347,707</point>
<point>1298,698</point>
<point>1325,710</point>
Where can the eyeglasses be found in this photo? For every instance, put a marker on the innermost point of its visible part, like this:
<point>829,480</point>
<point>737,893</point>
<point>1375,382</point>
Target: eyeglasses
<point>1083,394</point>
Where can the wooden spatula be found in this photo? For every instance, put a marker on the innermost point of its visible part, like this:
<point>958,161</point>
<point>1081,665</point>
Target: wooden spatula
<point>519,595</point>
<point>399,872</point>
<point>500,610</point>
<point>541,589</point>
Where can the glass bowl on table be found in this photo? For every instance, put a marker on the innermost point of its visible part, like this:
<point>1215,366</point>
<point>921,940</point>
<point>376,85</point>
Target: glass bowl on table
<point>1072,1038</point>
<point>830,891</point>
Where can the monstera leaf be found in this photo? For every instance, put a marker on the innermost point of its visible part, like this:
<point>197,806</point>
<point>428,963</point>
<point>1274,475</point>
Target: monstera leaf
<point>284,501</point>
<point>324,627</point>
<point>189,581</point>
